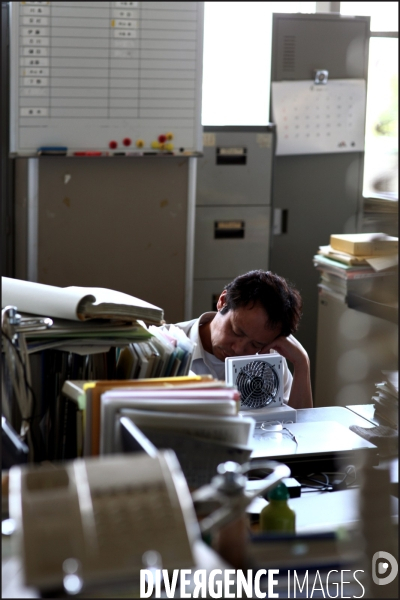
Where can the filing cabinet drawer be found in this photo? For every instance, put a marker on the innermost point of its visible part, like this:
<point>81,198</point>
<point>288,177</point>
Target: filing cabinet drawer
<point>237,168</point>
<point>231,240</point>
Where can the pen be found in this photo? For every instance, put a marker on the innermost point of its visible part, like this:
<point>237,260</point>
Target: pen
<point>90,153</point>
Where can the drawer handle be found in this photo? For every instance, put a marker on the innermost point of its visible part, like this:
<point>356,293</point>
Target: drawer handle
<point>228,230</point>
<point>231,156</point>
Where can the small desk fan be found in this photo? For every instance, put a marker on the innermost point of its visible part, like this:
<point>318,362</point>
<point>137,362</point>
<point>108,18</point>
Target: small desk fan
<point>259,379</point>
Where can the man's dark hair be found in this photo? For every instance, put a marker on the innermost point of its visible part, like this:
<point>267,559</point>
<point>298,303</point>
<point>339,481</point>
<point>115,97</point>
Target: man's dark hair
<point>280,300</point>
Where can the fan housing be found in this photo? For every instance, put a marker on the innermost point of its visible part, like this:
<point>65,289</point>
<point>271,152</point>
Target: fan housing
<point>258,379</point>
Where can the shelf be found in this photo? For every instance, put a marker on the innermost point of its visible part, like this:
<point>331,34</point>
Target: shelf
<point>370,307</point>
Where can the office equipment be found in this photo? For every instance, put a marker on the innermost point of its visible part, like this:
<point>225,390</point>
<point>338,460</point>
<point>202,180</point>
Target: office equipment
<point>103,515</point>
<point>259,381</point>
<point>325,189</point>
<point>76,303</point>
<point>365,244</point>
<point>233,208</point>
<point>320,447</point>
<point>145,83</point>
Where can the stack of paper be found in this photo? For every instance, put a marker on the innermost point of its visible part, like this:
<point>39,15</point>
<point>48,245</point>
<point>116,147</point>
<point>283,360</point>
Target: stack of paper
<point>83,338</point>
<point>363,266</point>
<point>365,244</point>
<point>377,263</point>
<point>86,395</point>
<point>386,398</point>
<point>195,416</point>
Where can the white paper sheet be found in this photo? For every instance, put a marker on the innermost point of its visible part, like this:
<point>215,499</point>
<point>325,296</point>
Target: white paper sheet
<point>314,119</point>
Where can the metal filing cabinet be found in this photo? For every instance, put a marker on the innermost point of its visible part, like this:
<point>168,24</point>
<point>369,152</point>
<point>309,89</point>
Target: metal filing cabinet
<point>353,348</point>
<point>316,194</point>
<point>233,208</point>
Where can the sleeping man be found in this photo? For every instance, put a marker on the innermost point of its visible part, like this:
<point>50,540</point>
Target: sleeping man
<point>257,312</point>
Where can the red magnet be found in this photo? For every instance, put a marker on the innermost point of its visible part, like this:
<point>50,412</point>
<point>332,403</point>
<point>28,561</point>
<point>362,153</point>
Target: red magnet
<point>127,141</point>
<point>162,138</point>
<point>113,144</point>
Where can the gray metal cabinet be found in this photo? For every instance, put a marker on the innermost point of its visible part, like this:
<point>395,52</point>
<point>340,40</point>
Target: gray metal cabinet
<point>352,350</point>
<point>114,222</point>
<point>319,194</point>
<point>233,209</point>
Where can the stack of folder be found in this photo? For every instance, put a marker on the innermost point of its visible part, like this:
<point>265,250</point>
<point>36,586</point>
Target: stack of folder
<point>78,334</point>
<point>197,416</point>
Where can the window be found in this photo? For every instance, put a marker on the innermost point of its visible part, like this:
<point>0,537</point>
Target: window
<point>237,60</point>
<point>237,73</point>
<point>381,136</point>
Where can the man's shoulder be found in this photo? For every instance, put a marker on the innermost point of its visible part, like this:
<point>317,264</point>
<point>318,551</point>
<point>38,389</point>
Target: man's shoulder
<point>184,325</point>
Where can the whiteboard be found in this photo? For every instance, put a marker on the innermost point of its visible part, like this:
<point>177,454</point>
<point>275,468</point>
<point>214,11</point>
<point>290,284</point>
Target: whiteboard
<point>106,76</point>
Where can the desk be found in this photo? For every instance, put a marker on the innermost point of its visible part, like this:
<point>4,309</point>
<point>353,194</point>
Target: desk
<point>315,511</point>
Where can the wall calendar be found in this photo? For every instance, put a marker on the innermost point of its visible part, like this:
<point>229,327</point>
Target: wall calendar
<point>319,118</point>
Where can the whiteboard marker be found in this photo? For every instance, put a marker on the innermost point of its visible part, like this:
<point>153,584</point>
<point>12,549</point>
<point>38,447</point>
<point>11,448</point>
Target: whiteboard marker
<point>53,150</point>
<point>92,153</point>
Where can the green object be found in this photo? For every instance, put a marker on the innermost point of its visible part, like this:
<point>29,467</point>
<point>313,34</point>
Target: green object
<point>277,515</point>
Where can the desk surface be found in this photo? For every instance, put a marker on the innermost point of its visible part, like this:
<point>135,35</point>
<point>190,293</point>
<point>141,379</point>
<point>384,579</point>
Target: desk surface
<point>366,411</point>
<point>324,511</point>
<point>340,414</point>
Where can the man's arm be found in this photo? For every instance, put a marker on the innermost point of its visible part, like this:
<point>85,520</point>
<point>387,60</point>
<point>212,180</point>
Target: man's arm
<point>291,349</point>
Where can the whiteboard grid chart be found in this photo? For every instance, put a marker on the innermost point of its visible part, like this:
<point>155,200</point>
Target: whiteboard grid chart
<point>101,75</point>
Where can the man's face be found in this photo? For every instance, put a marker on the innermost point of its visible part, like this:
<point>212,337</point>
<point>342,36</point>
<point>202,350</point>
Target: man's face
<point>241,332</point>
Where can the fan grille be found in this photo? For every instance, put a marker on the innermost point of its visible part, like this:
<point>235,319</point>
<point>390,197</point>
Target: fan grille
<point>257,383</point>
